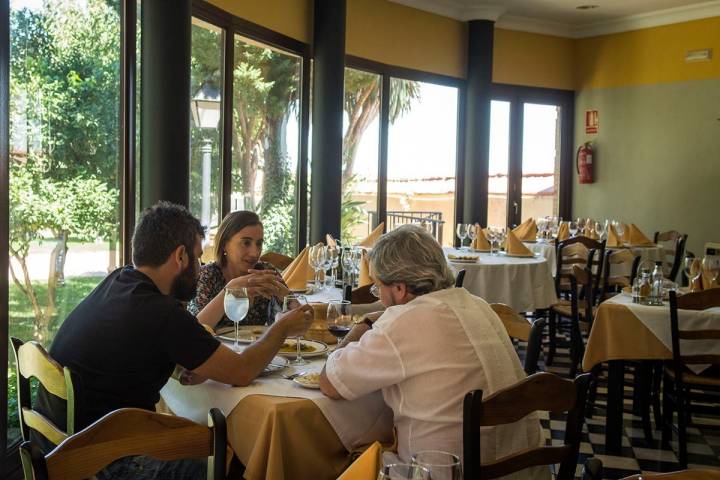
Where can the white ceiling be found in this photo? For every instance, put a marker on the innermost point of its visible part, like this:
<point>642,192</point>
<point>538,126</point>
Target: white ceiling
<point>561,17</point>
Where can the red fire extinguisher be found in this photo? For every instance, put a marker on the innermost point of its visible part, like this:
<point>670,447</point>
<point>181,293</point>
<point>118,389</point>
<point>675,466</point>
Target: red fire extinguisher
<point>584,163</point>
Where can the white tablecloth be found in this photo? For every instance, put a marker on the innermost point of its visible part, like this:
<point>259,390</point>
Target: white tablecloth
<point>546,250</point>
<point>525,284</point>
<point>356,422</point>
<point>657,320</point>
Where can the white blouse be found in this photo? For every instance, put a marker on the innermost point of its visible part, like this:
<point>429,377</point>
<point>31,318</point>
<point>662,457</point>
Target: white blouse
<point>425,356</point>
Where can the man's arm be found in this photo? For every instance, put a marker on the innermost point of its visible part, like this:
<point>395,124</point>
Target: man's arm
<point>240,369</point>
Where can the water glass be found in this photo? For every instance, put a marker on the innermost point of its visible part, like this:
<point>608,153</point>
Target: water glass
<point>237,304</point>
<point>290,302</point>
<point>441,465</point>
<point>403,471</point>
<point>334,256</point>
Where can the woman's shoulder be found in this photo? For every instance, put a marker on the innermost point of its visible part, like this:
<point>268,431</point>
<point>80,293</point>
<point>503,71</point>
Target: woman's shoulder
<point>211,270</point>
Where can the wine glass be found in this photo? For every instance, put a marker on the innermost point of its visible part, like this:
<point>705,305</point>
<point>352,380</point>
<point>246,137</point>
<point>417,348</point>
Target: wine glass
<point>356,261</point>
<point>461,231</point>
<point>441,465</point>
<point>339,318</point>
<point>472,233</point>
<point>327,265</point>
<point>403,471</point>
<point>580,224</point>
<point>573,227</point>
<point>316,259</point>
<point>619,228</point>
<point>290,302</point>
<point>237,304</point>
<point>334,255</point>
<point>542,226</point>
<point>347,263</point>
<point>711,270</point>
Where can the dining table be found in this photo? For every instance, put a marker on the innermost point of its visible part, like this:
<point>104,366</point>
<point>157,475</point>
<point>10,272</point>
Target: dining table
<point>524,283</point>
<point>626,331</point>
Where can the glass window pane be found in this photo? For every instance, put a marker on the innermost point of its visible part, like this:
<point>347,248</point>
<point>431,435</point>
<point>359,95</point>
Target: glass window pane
<point>541,160</point>
<point>361,130</point>
<point>206,81</point>
<point>499,162</point>
<point>265,147</point>
<point>422,157</point>
<point>64,163</point>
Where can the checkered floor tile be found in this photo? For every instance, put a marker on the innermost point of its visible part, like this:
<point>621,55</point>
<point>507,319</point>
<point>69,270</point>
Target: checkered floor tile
<point>637,456</point>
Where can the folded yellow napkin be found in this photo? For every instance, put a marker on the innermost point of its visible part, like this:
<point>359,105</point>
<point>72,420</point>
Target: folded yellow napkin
<point>481,242</point>
<point>366,466</point>
<point>613,240</point>
<point>526,231</point>
<point>636,237</point>
<point>563,231</point>
<point>296,274</point>
<point>330,241</point>
<point>626,233</point>
<point>590,232</point>
<point>370,240</point>
<point>515,247</point>
<point>364,271</point>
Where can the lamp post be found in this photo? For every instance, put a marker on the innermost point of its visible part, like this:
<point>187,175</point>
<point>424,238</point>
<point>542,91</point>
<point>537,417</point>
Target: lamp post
<point>205,107</point>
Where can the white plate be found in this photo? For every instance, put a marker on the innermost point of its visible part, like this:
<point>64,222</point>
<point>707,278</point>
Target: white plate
<point>247,334</point>
<point>463,260</point>
<point>517,256</point>
<point>319,348</point>
<point>277,364</point>
<point>303,381</point>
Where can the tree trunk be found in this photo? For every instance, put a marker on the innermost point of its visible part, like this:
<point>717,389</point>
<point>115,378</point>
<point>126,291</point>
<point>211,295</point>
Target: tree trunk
<point>56,276</point>
<point>40,330</point>
<point>112,252</point>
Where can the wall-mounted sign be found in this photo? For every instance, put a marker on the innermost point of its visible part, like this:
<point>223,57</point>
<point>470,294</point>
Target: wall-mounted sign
<point>591,121</point>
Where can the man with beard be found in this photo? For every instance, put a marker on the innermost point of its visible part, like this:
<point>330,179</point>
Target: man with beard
<point>125,338</point>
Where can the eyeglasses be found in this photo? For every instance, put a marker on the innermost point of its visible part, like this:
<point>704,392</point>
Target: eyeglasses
<point>375,291</point>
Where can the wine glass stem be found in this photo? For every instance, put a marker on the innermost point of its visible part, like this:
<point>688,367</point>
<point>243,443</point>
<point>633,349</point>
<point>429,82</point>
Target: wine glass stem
<point>237,335</point>
<point>298,358</point>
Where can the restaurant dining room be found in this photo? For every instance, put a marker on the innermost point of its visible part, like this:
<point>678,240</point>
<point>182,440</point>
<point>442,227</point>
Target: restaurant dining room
<point>360,239</point>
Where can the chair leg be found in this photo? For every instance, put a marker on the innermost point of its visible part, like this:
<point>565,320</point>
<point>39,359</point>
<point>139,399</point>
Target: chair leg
<point>576,348</point>
<point>667,414</point>
<point>643,381</point>
<point>592,393</point>
<point>657,371</point>
<point>552,342</point>
<point>682,432</point>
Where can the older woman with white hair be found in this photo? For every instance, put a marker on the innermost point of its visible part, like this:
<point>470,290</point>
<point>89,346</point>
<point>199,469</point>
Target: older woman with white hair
<point>432,345</point>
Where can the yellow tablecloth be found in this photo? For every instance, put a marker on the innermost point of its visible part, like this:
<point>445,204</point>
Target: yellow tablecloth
<point>617,334</point>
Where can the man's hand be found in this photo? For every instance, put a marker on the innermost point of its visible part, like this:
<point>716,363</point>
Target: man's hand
<point>295,322</point>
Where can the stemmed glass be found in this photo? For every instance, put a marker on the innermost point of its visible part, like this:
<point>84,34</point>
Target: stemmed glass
<point>619,228</point>
<point>601,228</point>
<point>403,471</point>
<point>711,270</point>
<point>542,226</point>
<point>462,233</point>
<point>441,465</point>
<point>339,318</point>
<point>356,261</point>
<point>316,259</point>
<point>573,227</point>
<point>327,265</point>
<point>290,302</point>
<point>347,264</point>
<point>237,304</point>
<point>472,234</point>
<point>334,256</point>
<point>579,225</point>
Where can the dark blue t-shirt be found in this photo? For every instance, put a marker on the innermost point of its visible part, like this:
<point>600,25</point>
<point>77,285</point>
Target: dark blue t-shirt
<point>124,340</point>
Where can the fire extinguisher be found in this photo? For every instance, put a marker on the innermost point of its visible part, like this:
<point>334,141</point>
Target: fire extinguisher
<point>584,163</point>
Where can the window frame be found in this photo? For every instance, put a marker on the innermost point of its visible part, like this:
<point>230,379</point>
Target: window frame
<point>231,26</point>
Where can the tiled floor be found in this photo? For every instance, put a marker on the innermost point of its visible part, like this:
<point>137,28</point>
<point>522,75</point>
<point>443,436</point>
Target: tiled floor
<point>637,456</point>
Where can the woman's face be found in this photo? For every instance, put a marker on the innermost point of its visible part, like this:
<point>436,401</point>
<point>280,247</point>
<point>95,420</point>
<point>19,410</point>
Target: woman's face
<point>243,250</point>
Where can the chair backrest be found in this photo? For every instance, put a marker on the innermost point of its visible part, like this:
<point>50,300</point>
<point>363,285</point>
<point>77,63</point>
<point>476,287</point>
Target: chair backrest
<point>34,362</point>
<point>682,475</point>
<point>582,292</point>
<point>460,279</point>
<point>523,329</point>
<point>126,432</point>
<point>569,253</point>
<point>277,260</point>
<point>692,301</point>
<point>538,392</point>
<point>362,295</point>
<point>673,244</point>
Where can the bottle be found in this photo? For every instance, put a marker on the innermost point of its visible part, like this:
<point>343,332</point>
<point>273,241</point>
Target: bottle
<point>658,280</point>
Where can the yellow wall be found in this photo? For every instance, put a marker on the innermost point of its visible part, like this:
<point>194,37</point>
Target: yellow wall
<point>398,35</point>
<point>289,17</point>
<point>531,59</point>
<point>648,56</point>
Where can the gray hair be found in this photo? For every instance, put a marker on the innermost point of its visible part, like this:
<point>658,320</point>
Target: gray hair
<point>410,255</point>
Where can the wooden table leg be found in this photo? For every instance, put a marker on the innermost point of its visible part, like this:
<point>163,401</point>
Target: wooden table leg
<point>614,413</point>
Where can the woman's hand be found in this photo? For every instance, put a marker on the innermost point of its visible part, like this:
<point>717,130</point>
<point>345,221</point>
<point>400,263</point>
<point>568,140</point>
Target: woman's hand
<point>295,322</point>
<point>263,283</point>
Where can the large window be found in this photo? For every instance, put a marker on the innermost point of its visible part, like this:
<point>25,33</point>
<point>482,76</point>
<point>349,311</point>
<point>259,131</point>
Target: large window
<point>499,163</point>
<point>361,128</point>
<point>64,162</point>
<point>265,143</point>
<point>540,160</point>
<point>422,153</point>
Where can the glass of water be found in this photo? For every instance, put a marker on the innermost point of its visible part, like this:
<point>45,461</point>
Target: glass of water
<point>237,305</point>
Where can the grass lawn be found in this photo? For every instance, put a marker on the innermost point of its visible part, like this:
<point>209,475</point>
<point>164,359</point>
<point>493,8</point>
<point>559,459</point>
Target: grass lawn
<point>22,322</point>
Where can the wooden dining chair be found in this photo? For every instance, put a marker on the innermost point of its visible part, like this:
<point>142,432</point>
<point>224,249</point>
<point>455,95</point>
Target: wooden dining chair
<point>539,392</point>
<point>523,329</point>
<point>460,279</point>
<point>682,387</point>
<point>34,362</point>
<point>568,253</point>
<point>277,260</point>
<point>673,244</point>
<point>616,260</point>
<point>362,295</point>
<point>682,475</point>
<point>128,432</point>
